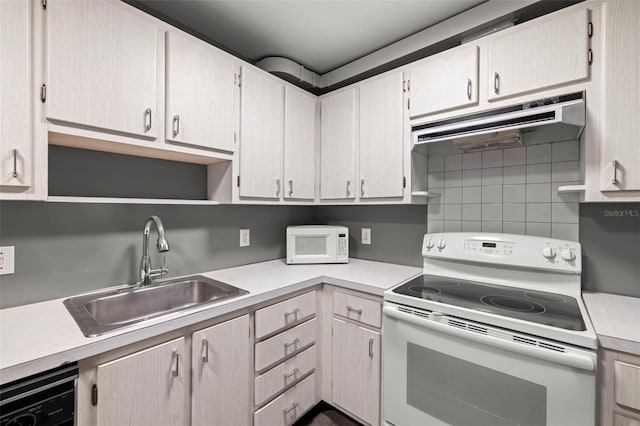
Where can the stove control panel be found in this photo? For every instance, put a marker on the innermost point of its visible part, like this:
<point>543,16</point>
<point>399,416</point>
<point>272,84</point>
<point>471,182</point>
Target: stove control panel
<point>505,249</point>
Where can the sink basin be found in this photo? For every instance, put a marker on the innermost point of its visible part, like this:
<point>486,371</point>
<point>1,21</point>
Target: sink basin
<point>98,313</point>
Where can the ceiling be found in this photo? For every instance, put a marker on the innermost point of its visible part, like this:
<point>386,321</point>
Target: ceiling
<point>320,35</point>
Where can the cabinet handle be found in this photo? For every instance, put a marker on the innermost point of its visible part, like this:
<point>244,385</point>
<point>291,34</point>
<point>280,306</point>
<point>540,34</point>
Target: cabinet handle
<point>147,119</point>
<point>371,347</point>
<point>614,164</point>
<point>469,89</point>
<point>290,409</point>
<point>277,187</point>
<point>15,163</point>
<point>176,125</point>
<point>205,347</point>
<point>362,187</point>
<point>294,313</point>
<point>348,190</point>
<point>496,83</point>
<point>176,356</point>
<point>290,188</point>
<point>293,343</point>
<point>357,311</point>
<point>293,373</point>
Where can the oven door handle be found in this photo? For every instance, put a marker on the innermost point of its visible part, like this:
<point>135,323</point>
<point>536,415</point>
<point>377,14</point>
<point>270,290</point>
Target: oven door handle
<point>583,362</point>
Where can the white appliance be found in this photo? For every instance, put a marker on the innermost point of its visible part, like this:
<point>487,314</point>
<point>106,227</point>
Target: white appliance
<point>317,244</point>
<point>493,333</point>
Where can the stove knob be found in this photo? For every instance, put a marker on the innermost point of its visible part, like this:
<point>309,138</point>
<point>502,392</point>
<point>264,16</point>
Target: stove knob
<point>429,244</point>
<point>548,252</point>
<point>441,243</point>
<point>567,254</point>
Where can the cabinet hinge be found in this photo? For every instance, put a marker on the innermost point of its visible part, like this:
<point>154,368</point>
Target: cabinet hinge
<point>43,93</point>
<point>238,181</point>
<point>408,85</point>
<point>235,79</point>
<point>590,29</point>
<point>404,86</point>
<point>408,103</point>
<point>234,137</point>
<point>44,4</point>
<point>94,395</point>
<point>404,181</point>
<point>590,56</point>
<point>240,80</point>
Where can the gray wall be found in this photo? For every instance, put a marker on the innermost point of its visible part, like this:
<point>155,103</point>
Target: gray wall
<point>64,249</point>
<point>396,231</point>
<point>610,238</point>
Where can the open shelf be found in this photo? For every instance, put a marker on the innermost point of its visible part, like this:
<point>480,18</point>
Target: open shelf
<point>425,194</point>
<point>571,188</point>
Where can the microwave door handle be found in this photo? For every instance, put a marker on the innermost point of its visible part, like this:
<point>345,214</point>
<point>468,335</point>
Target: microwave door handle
<point>571,359</point>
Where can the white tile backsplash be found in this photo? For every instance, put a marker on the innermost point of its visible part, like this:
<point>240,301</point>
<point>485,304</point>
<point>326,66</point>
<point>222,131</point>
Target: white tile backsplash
<point>512,190</point>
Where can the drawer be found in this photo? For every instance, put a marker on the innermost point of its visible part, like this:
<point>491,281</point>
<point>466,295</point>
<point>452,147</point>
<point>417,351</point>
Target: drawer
<point>357,308</point>
<point>284,344</point>
<point>285,409</point>
<point>273,381</point>
<point>279,316</point>
<point>627,384</point>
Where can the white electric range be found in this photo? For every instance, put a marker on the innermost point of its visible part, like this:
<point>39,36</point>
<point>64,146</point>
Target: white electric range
<point>493,333</point>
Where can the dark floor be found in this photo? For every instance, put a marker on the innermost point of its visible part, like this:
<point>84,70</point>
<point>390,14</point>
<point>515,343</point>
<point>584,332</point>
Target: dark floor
<point>325,415</point>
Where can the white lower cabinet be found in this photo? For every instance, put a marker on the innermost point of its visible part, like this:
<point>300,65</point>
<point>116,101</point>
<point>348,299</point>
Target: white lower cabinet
<point>221,374</point>
<point>619,377</point>
<point>356,370</point>
<point>147,387</point>
<point>289,406</point>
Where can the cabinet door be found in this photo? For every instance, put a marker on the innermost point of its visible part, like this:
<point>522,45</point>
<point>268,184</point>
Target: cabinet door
<point>15,93</point>
<point>381,141</point>
<point>446,81</point>
<point>102,67</point>
<point>299,144</point>
<point>356,370</point>
<point>147,387</point>
<point>337,145</point>
<point>261,135</point>
<point>200,94</point>
<point>552,53</point>
<point>621,97</point>
<point>221,363</point>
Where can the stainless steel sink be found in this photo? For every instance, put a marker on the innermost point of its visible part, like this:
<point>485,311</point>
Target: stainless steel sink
<point>98,313</point>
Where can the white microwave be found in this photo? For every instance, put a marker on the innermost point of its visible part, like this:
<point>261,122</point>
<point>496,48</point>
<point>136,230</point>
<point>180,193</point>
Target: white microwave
<point>317,244</point>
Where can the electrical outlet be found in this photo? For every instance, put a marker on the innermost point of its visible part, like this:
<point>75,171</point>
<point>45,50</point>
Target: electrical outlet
<point>7,260</point>
<point>245,237</point>
<point>366,235</point>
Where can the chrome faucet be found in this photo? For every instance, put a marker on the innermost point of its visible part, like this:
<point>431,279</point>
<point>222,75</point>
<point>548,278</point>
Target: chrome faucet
<point>146,273</point>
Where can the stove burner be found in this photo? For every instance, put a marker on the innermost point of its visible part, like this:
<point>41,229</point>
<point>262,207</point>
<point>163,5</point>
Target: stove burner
<point>423,289</point>
<point>546,297</point>
<point>513,304</point>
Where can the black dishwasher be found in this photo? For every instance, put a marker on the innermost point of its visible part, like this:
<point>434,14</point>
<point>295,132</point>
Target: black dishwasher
<point>44,399</point>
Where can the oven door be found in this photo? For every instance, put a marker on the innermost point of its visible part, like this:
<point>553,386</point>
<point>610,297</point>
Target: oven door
<point>438,374</point>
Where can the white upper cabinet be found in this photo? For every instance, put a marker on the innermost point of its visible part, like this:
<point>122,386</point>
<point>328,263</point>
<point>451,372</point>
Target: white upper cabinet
<point>446,81</point>
<point>381,142</point>
<point>299,145</point>
<point>338,145</point>
<point>200,92</point>
<point>261,135</point>
<point>102,67</point>
<point>620,133</point>
<point>551,53</point>
<point>15,94</point>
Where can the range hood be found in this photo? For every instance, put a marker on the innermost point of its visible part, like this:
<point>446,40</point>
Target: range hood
<point>562,116</point>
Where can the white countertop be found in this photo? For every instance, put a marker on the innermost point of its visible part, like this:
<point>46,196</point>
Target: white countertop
<point>43,335</point>
<point>616,320</point>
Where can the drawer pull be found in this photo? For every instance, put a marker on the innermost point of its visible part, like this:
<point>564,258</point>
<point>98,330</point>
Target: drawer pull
<point>147,119</point>
<point>290,409</point>
<point>15,163</point>
<point>357,311</point>
<point>615,180</point>
<point>293,343</point>
<point>294,313</point>
<point>205,348</point>
<point>176,125</point>
<point>293,374</point>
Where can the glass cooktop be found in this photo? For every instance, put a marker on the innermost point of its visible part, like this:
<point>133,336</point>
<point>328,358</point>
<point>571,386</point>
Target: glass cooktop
<point>550,309</point>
